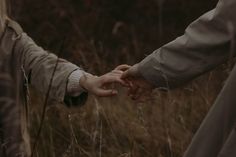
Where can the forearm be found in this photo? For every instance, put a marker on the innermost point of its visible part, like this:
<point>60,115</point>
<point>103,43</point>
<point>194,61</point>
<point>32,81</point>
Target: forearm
<point>205,44</point>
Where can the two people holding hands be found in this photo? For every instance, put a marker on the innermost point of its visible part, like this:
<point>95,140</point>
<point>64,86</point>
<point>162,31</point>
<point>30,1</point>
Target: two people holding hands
<point>206,43</point>
<point>125,75</point>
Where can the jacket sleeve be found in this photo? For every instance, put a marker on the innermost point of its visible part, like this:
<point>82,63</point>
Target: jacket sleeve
<point>39,65</point>
<point>206,43</point>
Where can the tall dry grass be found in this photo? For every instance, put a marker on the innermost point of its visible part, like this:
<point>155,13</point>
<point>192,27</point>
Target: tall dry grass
<point>102,35</point>
<point>119,127</point>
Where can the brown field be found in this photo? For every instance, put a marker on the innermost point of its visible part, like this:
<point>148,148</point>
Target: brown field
<point>101,35</point>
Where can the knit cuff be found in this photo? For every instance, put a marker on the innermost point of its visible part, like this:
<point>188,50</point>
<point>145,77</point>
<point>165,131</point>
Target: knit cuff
<point>73,87</point>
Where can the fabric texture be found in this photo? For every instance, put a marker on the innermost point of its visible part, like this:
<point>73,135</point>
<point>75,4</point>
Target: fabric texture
<point>73,86</point>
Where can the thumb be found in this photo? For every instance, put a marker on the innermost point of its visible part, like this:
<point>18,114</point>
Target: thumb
<point>126,74</point>
<point>131,72</point>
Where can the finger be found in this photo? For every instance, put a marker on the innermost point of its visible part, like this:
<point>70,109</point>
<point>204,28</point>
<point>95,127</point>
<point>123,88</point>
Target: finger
<point>117,72</point>
<point>123,67</point>
<point>106,92</point>
<point>132,72</point>
<point>117,79</point>
<point>138,94</point>
<point>113,79</point>
<point>132,90</point>
<point>125,75</point>
<point>128,83</point>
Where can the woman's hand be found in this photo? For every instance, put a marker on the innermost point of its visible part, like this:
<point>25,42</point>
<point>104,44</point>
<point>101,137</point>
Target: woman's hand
<point>139,87</point>
<point>102,85</point>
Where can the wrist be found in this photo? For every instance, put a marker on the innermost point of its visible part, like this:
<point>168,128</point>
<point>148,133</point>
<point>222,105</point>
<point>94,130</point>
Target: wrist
<point>73,87</point>
<point>84,81</point>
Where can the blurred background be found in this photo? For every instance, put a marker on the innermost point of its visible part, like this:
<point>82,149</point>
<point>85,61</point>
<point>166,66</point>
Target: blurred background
<point>99,36</point>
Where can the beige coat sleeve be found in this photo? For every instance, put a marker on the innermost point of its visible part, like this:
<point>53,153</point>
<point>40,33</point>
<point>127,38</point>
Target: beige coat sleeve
<point>39,66</point>
<point>206,43</point>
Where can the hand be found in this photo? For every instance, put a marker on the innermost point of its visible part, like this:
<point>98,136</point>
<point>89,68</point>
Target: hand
<point>100,85</point>
<point>139,87</point>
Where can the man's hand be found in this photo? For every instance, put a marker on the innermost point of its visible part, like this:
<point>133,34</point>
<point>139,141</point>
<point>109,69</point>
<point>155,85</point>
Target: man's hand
<point>139,88</point>
<point>101,86</point>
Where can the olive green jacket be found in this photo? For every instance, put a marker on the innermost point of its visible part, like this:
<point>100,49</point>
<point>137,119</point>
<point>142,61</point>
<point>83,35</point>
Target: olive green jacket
<point>206,43</point>
<point>26,63</point>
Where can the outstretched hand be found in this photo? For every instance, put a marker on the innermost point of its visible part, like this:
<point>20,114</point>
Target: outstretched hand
<point>102,85</point>
<point>139,87</point>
